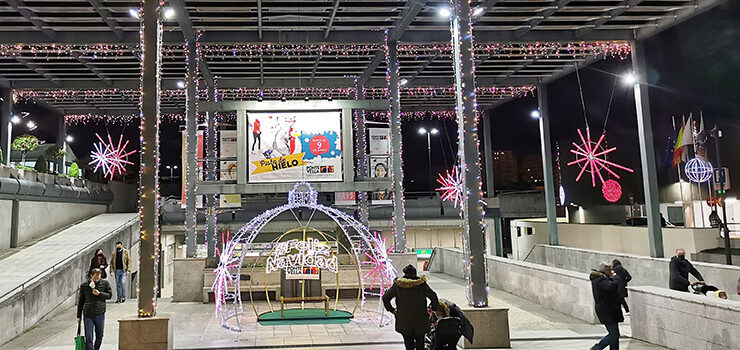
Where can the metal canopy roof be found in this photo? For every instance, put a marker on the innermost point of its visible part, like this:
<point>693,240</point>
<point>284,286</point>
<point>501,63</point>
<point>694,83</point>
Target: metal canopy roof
<point>316,43</point>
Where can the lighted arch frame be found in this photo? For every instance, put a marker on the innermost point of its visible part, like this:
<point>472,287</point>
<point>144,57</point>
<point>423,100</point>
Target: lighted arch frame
<point>226,285</point>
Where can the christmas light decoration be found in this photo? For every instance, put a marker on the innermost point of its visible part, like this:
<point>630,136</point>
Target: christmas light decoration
<point>698,170</point>
<point>111,158</point>
<point>382,270</point>
<point>398,217</point>
<point>591,157</point>
<point>301,196</point>
<point>452,187</point>
<point>612,190</point>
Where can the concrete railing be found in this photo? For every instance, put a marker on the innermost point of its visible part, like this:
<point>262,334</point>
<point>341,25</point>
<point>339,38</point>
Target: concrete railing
<point>54,290</point>
<point>645,271</point>
<point>561,290</point>
<point>680,320</point>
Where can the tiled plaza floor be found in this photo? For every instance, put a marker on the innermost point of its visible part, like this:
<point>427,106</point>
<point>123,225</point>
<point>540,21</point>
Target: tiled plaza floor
<point>196,327</point>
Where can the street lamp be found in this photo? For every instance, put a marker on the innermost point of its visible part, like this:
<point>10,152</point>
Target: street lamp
<point>717,134</point>
<point>429,133</point>
<point>171,169</point>
<point>69,139</point>
<point>31,125</point>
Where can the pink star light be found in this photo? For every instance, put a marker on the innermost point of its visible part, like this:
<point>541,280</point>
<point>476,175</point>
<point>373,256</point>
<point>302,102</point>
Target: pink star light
<point>591,157</point>
<point>109,157</point>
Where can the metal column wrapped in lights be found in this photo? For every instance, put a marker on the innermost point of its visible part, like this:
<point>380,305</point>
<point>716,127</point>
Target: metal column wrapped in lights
<point>474,243</point>
<point>394,97</point>
<point>151,43</point>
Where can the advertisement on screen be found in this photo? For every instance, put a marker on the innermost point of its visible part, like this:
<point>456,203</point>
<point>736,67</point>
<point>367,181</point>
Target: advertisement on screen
<point>227,148</point>
<point>294,146</point>
<point>380,140</point>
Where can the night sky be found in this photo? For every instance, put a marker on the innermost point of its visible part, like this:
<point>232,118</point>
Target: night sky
<point>693,67</point>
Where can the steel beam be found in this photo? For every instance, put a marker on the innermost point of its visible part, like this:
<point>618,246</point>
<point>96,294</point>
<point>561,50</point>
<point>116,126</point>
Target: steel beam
<point>623,7</point>
<point>399,212</point>
<point>107,18</point>
<point>647,150</point>
<point>679,16</point>
<point>40,25</point>
<point>488,155</point>
<point>471,210</point>
<point>259,19</point>
<point>105,79</point>
<point>40,71</point>
<point>191,148</point>
<point>546,149</point>
<point>333,15</point>
<point>545,15</point>
<point>186,26</point>
<point>151,27</point>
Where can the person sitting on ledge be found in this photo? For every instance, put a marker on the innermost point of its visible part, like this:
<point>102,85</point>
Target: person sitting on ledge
<point>679,272</point>
<point>411,293</point>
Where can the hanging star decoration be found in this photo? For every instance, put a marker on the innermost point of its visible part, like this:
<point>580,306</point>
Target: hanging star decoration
<point>591,157</point>
<point>381,270</point>
<point>227,261</point>
<point>452,187</point>
<point>110,157</point>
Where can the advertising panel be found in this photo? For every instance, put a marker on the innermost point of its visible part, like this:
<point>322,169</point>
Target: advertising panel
<point>228,148</point>
<point>380,140</point>
<point>294,146</point>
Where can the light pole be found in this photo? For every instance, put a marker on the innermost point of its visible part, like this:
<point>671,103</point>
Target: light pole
<point>14,120</point>
<point>429,134</point>
<point>171,169</point>
<point>716,134</point>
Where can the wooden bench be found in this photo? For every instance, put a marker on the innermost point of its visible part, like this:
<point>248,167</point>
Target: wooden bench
<point>284,300</point>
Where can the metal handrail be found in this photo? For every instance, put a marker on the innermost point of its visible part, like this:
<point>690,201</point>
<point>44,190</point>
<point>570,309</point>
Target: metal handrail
<point>54,267</point>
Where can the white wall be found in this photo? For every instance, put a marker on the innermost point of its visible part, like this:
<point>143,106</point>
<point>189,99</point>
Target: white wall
<point>40,218</point>
<point>6,207</point>
<point>611,238</point>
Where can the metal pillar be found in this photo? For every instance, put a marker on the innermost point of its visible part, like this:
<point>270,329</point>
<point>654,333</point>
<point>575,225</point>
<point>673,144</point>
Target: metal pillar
<point>488,155</point>
<point>552,220</point>
<point>647,150</point>
<point>191,147</point>
<point>399,212</point>
<point>211,164</point>
<point>151,43</point>
<point>361,155</point>
<point>717,133</point>
<point>6,136</point>
<point>497,233</point>
<point>474,243</point>
<point>61,143</point>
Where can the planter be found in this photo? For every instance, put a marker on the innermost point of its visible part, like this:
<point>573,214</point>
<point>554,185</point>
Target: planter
<point>47,179</point>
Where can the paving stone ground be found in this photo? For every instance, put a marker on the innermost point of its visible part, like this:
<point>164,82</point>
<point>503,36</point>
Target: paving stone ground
<point>196,326</point>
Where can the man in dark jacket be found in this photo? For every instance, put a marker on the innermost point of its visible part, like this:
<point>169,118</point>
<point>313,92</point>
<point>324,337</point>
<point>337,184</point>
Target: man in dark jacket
<point>91,304</point>
<point>412,320</point>
<point>679,272</point>
<point>624,278</point>
<point>608,306</point>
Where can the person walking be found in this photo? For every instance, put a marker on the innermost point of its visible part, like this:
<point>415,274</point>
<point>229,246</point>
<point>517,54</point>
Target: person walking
<point>98,261</point>
<point>91,304</point>
<point>411,293</point>
<point>119,267</point>
<point>624,278</point>
<point>608,306</point>
<point>679,272</point>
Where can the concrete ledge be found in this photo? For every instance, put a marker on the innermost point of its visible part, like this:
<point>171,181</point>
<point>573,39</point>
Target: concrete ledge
<point>154,333</point>
<point>401,260</point>
<point>645,271</point>
<point>680,320</point>
<point>187,279</point>
<point>491,327</point>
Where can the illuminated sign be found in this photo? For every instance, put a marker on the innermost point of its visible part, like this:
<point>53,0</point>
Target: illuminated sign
<point>294,253</point>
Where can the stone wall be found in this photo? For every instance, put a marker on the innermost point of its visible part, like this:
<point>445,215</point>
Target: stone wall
<point>679,320</point>
<point>561,290</point>
<point>36,218</point>
<point>645,271</point>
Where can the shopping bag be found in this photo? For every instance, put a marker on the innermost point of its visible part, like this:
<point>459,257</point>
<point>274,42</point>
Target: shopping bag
<point>79,340</point>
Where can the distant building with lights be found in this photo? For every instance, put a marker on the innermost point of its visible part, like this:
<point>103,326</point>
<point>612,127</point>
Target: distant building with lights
<point>530,168</point>
<point>505,167</point>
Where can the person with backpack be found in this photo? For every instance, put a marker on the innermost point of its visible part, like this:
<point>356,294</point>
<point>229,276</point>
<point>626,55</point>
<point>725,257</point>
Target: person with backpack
<point>624,278</point>
<point>412,320</point>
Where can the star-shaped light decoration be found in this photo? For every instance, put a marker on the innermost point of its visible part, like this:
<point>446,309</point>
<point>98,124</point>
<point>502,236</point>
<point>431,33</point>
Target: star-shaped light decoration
<point>591,157</point>
<point>227,260</point>
<point>381,269</point>
<point>110,157</point>
<point>452,187</point>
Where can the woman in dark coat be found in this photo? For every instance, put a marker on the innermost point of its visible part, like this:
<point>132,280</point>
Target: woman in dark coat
<point>624,278</point>
<point>99,262</point>
<point>411,293</point>
<point>608,305</point>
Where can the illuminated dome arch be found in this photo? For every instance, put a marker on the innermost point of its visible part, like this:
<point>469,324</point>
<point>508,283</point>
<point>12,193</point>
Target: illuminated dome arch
<point>226,286</point>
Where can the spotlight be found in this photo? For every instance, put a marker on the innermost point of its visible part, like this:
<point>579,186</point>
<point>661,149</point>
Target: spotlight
<point>403,82</point>
<point>180,84</point>
<point>422,131</point>
<point>15,119</point>
<point>535,114</point>
<point>444,12</point>
<point>69,138</point>
<point>305,98</point>
<point>259,98</point>
<point>331,98</point>
<point>169,13</point>
<point>31,125</point>
<point>434,131</point>
<point>629,79</point>
<point>133,12</point>
<point>283,99</point>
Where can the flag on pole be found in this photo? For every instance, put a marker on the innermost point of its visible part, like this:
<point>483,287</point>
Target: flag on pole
<point>677,147</point>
